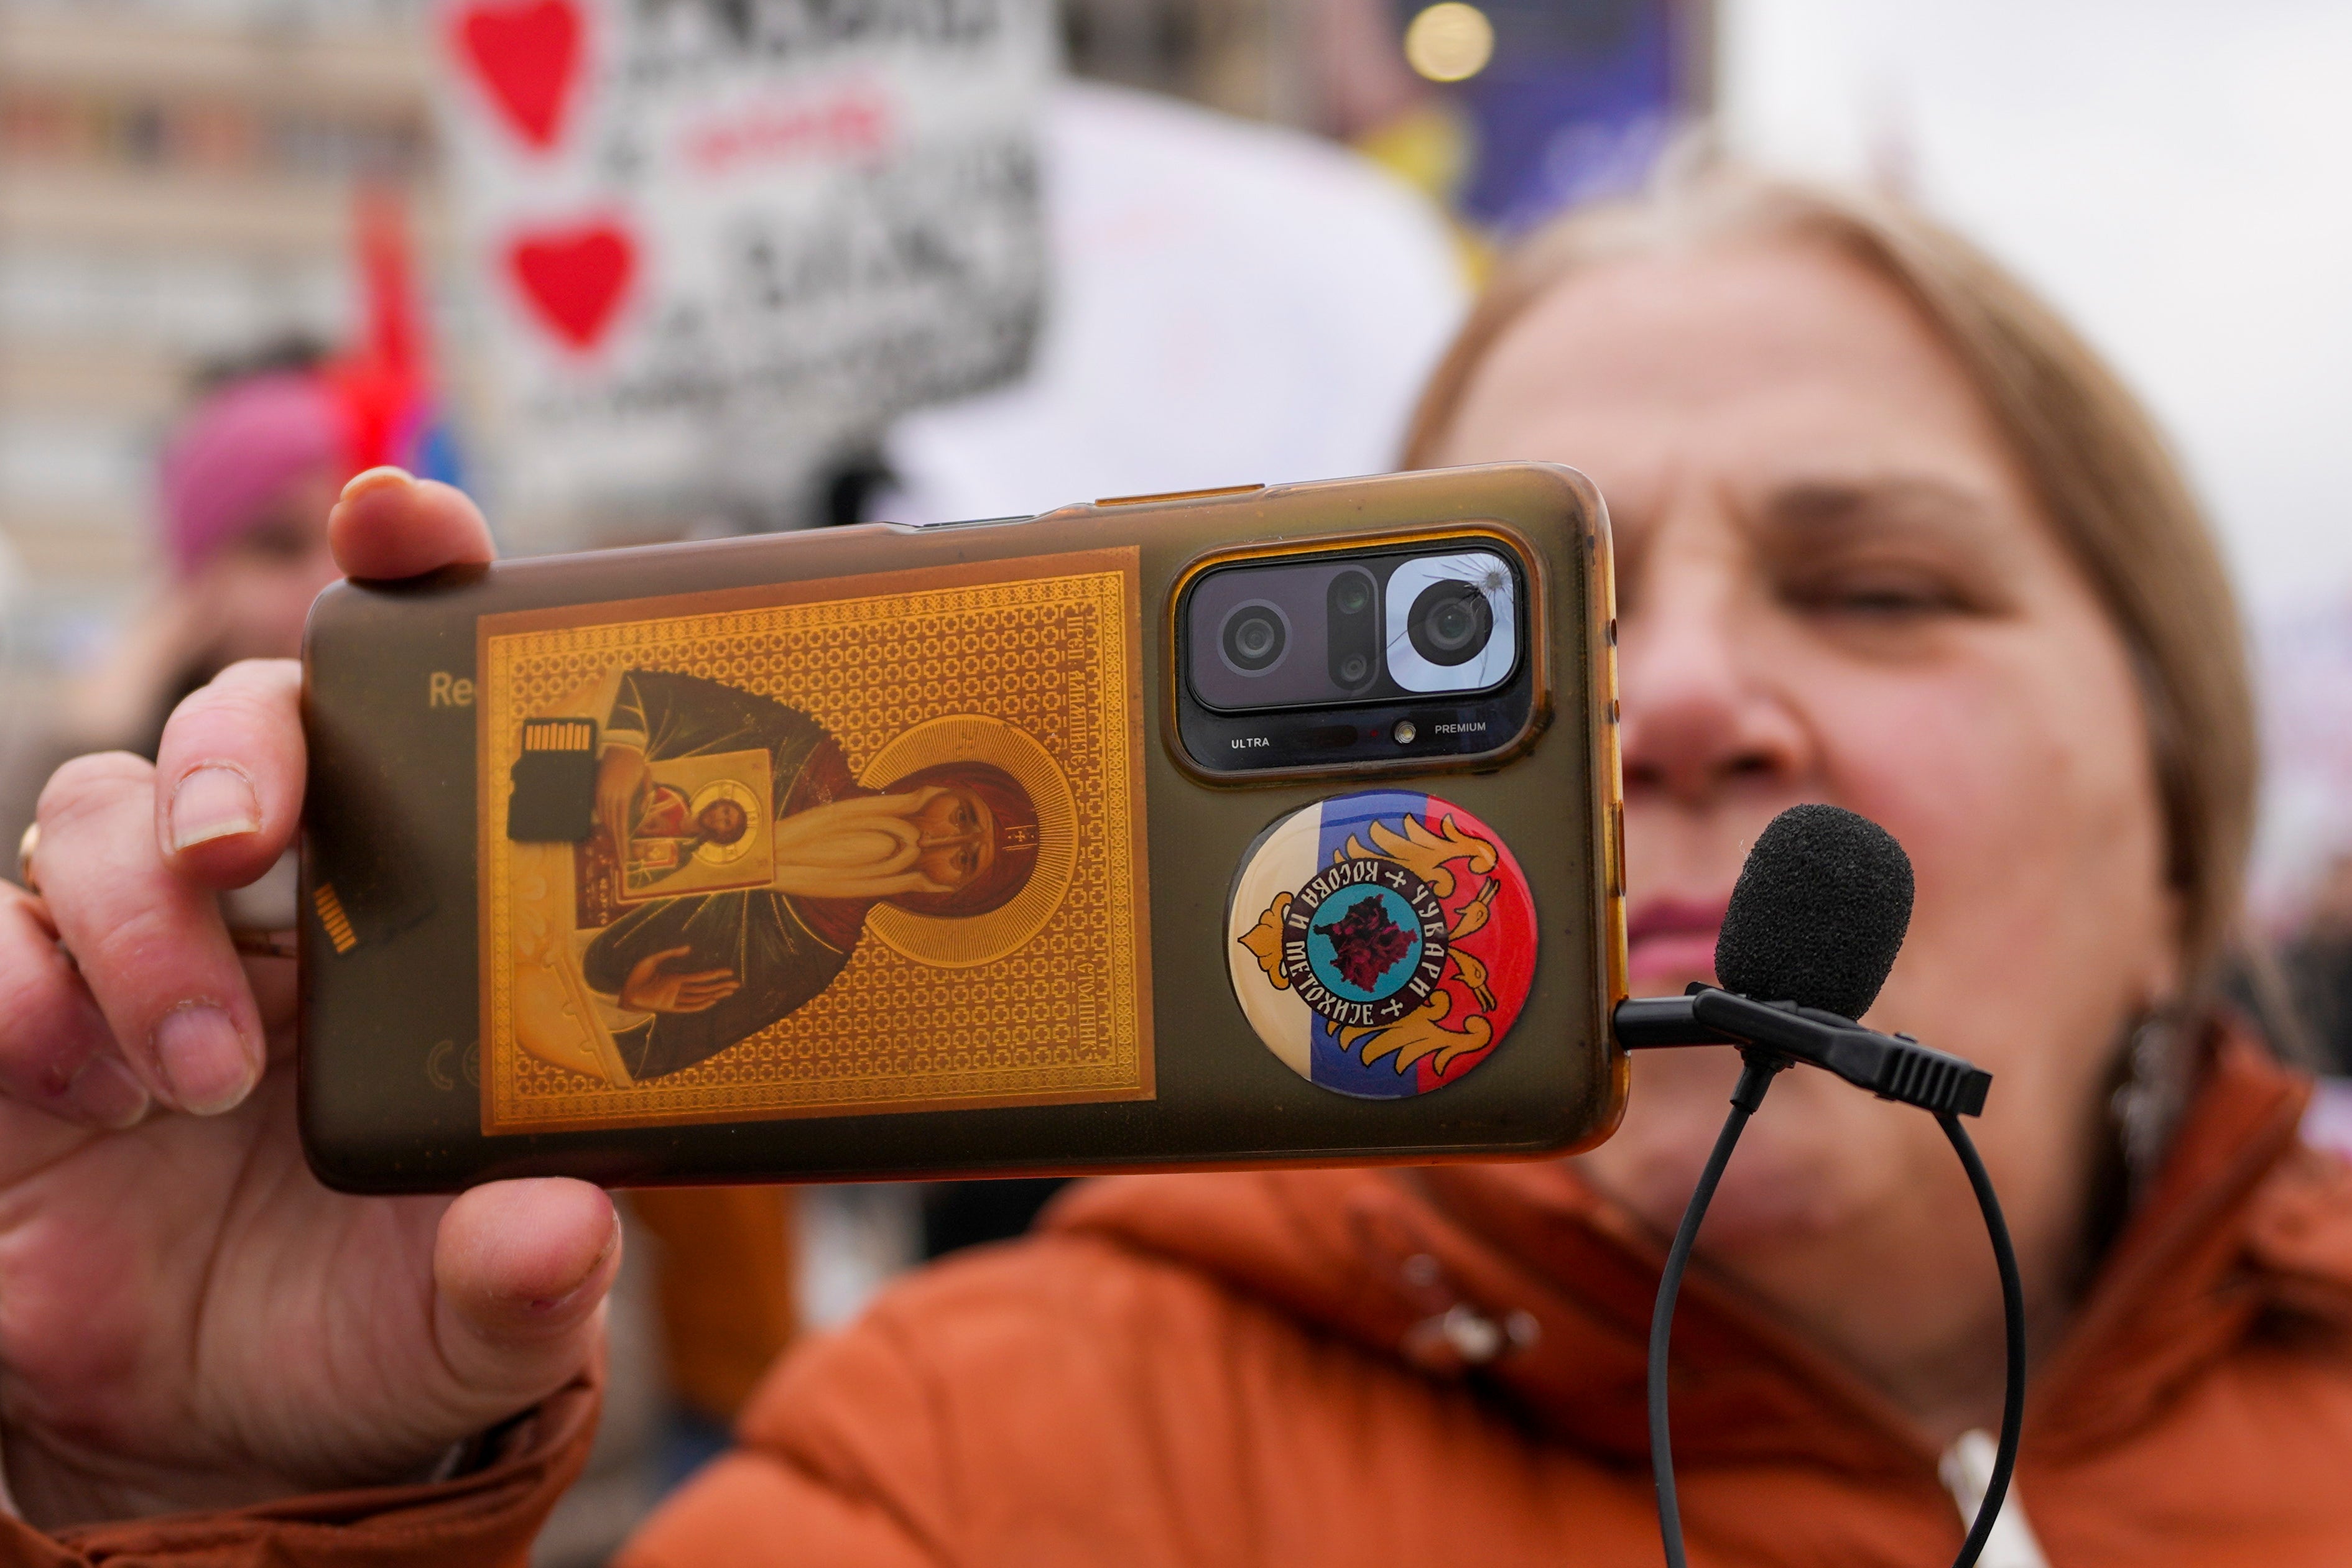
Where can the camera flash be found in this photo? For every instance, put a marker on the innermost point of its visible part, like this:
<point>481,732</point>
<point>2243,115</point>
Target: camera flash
<point>1404,732</point>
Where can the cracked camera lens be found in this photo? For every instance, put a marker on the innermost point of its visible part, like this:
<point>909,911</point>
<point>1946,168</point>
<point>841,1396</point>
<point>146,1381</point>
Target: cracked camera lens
<point>1450,623</point>
<point>1253,638</point>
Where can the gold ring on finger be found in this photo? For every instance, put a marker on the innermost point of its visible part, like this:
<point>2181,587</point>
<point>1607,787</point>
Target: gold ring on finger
<point>273,939</point>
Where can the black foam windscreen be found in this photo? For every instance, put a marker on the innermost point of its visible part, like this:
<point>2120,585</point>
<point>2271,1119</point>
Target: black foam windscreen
<point>1818,914</point>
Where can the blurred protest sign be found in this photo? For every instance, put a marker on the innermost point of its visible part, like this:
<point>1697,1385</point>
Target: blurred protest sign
<point>717,243</point>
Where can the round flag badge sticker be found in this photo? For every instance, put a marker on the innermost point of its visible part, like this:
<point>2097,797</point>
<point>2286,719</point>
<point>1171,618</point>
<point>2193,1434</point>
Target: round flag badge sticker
<point>1382,943</point>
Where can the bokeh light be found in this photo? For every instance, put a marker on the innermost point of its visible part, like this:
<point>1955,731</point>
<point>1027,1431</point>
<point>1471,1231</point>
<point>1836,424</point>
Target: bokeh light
<point>1449,41</point>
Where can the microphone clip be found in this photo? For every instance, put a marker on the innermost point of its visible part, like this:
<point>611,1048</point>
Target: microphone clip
<point>1892,1067</point>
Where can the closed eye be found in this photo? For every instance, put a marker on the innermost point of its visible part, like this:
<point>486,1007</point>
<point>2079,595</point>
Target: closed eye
<point>1878,595</point>
<point>1887,552</point>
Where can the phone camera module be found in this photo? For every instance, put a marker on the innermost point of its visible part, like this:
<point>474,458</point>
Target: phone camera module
<point>1383,653</point>
<point>1255,638</point>
<point>1450,623</point>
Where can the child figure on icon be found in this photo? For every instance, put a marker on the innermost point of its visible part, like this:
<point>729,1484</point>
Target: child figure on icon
<point>684,976</point>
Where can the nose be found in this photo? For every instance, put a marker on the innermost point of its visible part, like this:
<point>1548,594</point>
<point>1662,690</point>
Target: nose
<point>1703,718</point>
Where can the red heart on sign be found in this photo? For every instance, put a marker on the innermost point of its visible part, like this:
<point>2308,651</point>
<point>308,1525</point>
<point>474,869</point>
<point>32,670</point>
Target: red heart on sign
<point>575,278</point>
<point>526,55</point>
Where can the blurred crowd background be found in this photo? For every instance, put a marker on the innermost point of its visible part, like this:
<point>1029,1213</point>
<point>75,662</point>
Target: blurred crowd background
<point>228,226</point>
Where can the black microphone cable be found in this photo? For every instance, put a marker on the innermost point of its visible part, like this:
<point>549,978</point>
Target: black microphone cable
<point>1756,1076</point>
<point>1819,914</point>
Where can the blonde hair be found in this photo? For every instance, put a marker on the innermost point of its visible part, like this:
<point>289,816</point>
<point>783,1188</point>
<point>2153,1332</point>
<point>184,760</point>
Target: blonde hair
<point>2098,464</point>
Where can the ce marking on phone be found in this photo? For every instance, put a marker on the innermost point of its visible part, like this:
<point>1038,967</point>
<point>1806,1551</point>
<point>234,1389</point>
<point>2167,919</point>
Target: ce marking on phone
<point>438,1061</point>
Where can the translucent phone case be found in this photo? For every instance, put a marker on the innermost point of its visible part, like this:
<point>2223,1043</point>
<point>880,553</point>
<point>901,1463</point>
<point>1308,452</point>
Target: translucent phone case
<point>888,852</point>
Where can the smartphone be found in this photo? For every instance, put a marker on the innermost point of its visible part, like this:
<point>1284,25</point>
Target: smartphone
<point>1248,827</point>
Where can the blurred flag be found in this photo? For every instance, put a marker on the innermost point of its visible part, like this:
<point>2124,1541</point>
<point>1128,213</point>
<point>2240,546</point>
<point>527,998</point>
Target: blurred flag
<point>383,381</point>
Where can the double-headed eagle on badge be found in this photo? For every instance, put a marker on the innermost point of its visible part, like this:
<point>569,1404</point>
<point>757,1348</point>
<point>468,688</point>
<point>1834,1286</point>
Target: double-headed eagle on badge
<point>1369,943</point>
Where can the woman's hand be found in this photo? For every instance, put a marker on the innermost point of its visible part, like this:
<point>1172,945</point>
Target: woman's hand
<point>187,1318</point>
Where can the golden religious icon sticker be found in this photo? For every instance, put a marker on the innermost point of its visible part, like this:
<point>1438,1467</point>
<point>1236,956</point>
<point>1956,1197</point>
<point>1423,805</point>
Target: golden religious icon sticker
<point>1382,943</point>
<point>822,849</point>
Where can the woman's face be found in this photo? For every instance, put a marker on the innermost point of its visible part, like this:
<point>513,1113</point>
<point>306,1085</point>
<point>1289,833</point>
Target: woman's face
<point>1835,584</point>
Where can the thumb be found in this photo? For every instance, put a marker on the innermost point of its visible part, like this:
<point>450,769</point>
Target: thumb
<point>520,1269</point>
<point>390,524</point>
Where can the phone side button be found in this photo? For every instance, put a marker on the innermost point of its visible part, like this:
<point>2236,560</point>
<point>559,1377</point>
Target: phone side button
<point>1176,496</point>
<point>959,523</point>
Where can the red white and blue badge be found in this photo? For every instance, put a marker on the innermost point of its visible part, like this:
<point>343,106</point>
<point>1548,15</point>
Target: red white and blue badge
<point>1382,943</point>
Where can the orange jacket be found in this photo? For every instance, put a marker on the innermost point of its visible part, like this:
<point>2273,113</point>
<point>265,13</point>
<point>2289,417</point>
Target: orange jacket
<point>723,1280</point>
<point>1223,1369</point>
<point>1292,1369</point>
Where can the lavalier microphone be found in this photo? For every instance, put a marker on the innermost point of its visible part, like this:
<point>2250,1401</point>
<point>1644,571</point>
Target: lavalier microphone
<point>1815,921</point>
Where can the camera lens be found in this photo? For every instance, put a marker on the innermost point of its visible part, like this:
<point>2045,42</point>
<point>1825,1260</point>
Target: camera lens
<point>1450,623</point>
<point>1355,629</point>
<point>1253,638</point>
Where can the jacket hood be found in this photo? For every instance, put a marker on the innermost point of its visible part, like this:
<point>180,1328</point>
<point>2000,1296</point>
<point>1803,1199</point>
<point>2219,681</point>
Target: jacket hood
<point>1524,1277</point>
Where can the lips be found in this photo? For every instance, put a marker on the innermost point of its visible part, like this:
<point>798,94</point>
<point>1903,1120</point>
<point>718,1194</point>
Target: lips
<point>1671,941</point>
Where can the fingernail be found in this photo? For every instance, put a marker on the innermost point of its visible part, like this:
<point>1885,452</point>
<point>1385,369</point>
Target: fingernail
<point>214,801</point>
<point>378,478</point>
<point>105,1093</point>
<point>556,1305</point>
<point>206,1063</point>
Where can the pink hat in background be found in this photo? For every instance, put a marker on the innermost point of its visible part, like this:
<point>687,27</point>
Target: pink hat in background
<point>236,453</point>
